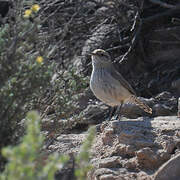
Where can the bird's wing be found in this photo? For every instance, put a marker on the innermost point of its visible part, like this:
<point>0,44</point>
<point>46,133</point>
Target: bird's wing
<point>120,78</point>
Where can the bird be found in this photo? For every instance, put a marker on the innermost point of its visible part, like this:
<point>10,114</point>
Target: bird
<point>109,86</point>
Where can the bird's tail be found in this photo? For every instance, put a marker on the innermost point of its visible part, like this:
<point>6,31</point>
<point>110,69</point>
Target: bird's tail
<point>141,104</point>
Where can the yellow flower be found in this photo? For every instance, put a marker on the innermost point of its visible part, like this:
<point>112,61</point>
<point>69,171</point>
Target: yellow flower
<point>27,13</point>
<point>35,8</point>
<point>39,59</point>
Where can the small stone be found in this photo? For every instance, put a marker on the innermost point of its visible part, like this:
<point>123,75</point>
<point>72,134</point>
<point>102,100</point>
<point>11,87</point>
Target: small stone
<point>108,177</point>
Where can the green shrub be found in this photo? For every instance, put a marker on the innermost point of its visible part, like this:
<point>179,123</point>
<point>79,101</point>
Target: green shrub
<point>62,105</point>
<point>25,71</point>
<point>27,161</point>
<point>25,74</point>
<point>83,158</point>
<point>67,87</point>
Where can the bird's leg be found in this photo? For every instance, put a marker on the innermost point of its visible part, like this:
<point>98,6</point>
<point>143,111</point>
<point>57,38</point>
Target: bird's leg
<point>111,112</point>
<point>118,116</point>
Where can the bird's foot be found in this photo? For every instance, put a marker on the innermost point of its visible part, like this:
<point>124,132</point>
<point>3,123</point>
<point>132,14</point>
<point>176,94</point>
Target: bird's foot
<point>111,113</point>
<point>118,117</point>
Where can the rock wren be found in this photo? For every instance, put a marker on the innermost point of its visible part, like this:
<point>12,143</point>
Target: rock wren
<point>108,85</point>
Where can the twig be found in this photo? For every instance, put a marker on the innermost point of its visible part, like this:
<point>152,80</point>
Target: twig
<point>134,37</point>
<point>165,42</point>
<point>166,13</point>
<point>162,4</point>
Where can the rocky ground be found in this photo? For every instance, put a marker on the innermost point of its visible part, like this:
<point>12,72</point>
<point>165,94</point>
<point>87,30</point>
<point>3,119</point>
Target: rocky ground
<point>137,146</point>
<point>143,41</point>
<point>134,147</point>
<point>142,148</point>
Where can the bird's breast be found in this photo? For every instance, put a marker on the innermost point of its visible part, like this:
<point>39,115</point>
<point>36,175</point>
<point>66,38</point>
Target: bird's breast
<point>106,88</point>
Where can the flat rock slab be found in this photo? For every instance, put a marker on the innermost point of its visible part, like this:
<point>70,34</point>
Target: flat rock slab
<point>161,122</point>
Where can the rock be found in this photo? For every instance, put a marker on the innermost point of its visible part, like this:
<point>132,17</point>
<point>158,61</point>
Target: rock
<point>66,143</point>
<point>162,105</point>
<point>133,111</point>
<point>130,165</point>
<point>103,171</point>
<point>170,170</point>
<point>107,136</point>
<point>121,174</point>
<point>94,113</point>
<point>5,5</point>
<point>178,113</point>
<point>147,158</point>
<point>109,162</point>
<point>108,177</point>
<point>164,96</point>
<point>166,104</point>
<point>176,85</point>
<point>161,110</point>
<point>126,148</point>
<point>68,171</point>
